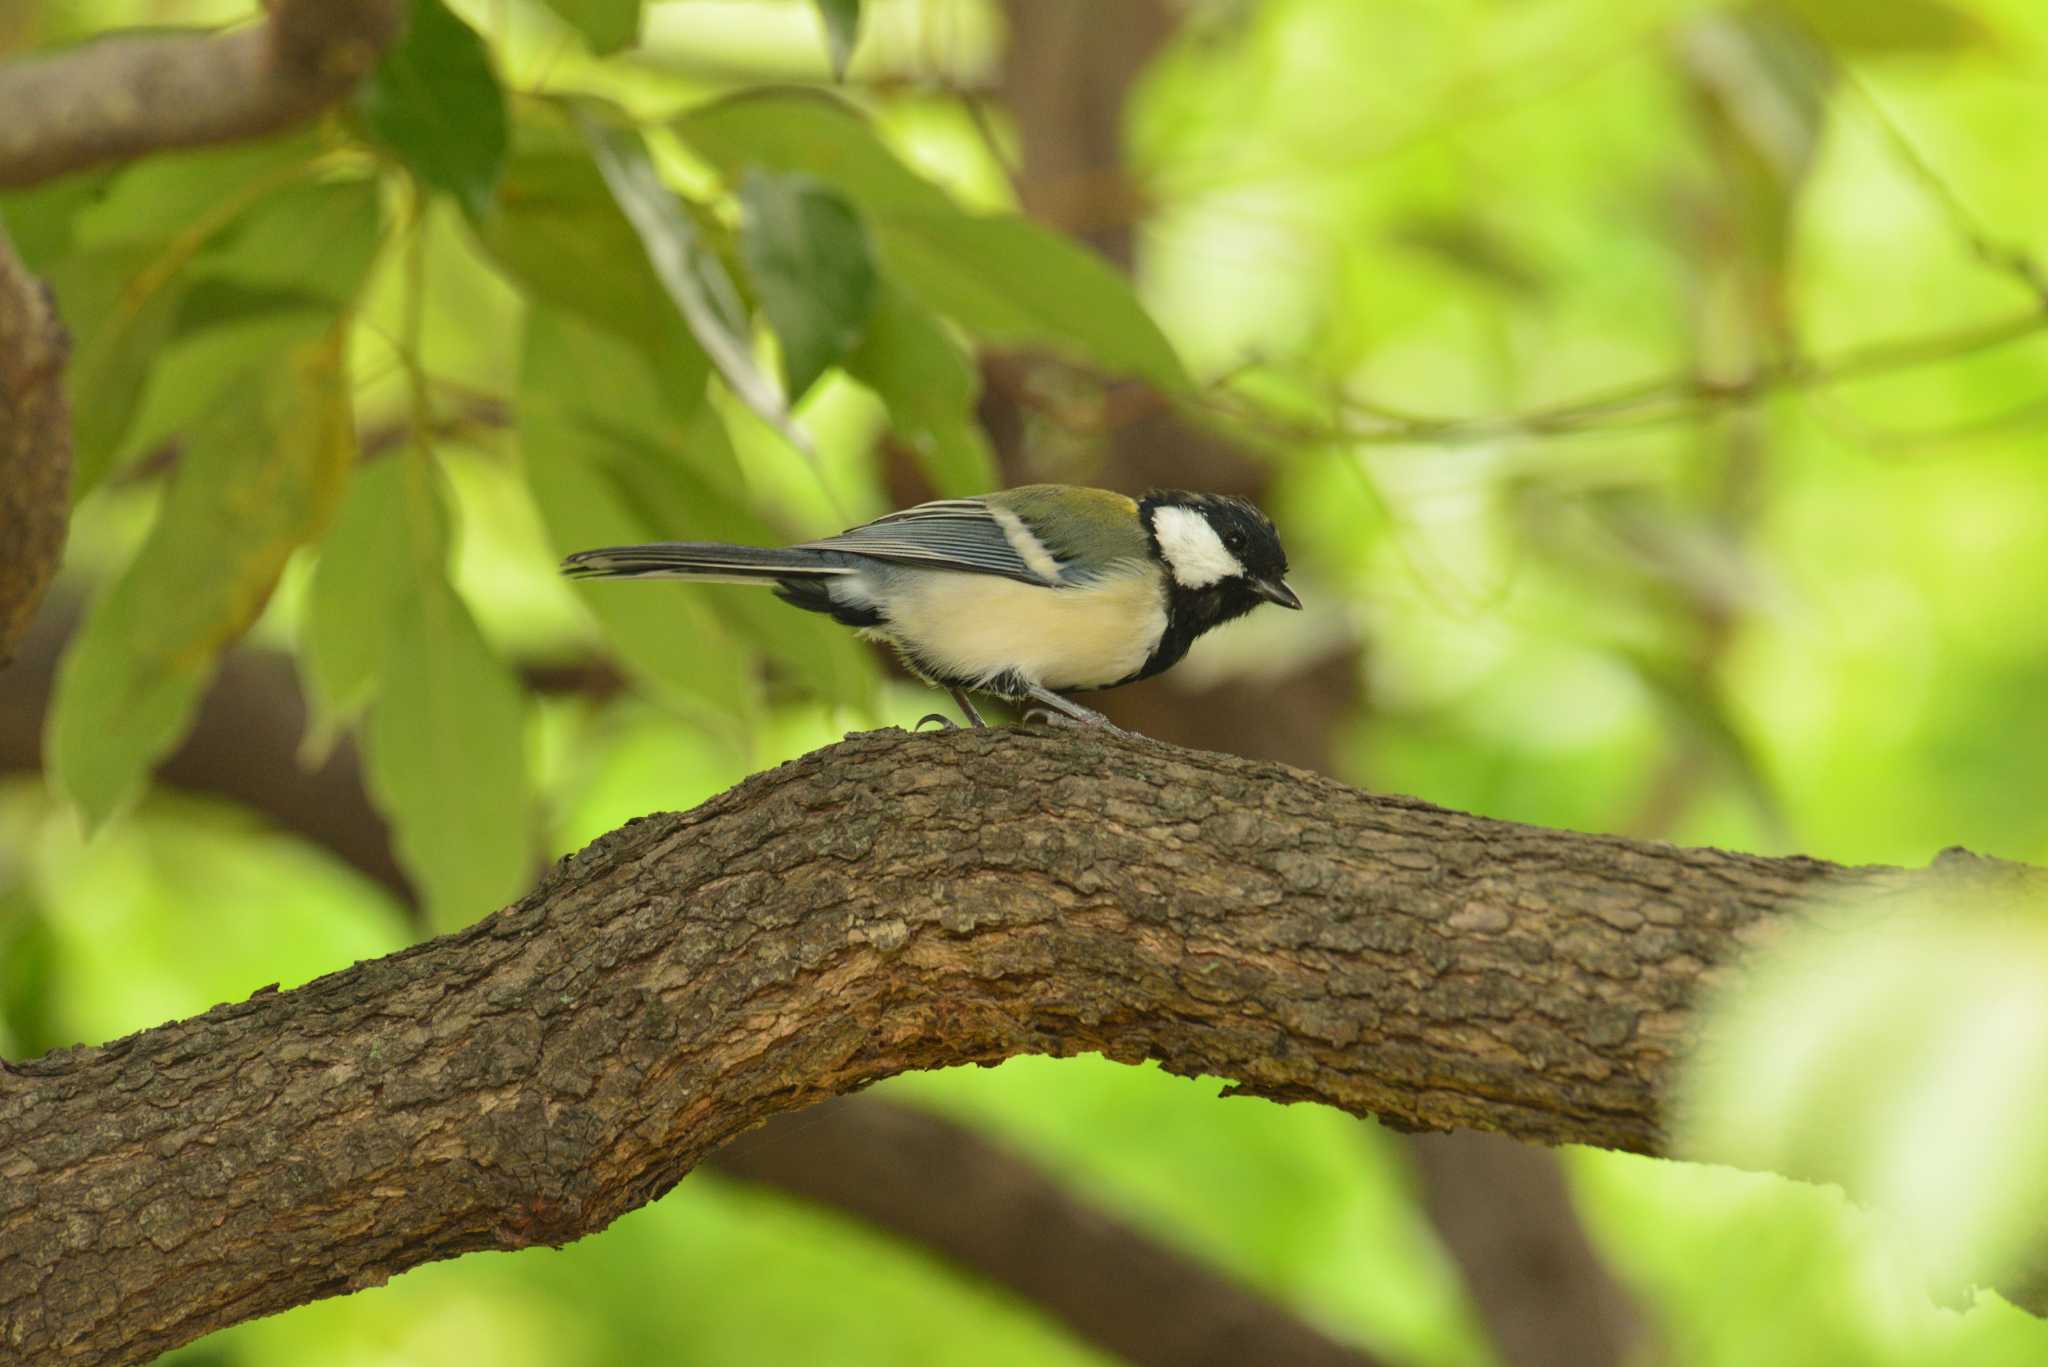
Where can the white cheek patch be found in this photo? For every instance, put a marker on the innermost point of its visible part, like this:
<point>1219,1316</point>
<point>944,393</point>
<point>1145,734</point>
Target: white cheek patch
<point>1193,551</point>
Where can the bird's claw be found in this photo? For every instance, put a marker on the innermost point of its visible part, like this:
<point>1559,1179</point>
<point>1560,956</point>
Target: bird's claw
<point>945,722</point>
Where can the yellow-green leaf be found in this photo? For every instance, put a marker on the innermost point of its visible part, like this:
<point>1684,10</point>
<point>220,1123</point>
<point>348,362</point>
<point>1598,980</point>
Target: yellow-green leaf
<point>260,475</point>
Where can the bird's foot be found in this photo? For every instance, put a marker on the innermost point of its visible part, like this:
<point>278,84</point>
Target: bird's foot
<point>945,722</point>
<point>1058,711</point>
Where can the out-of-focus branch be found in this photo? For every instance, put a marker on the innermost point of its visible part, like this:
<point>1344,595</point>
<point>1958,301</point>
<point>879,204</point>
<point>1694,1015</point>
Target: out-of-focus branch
<point>121,97</point>
<point>35,445</point>
<point>1002,1217</point>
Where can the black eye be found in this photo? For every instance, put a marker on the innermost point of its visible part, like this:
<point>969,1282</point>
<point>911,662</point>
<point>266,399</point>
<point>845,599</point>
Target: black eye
<point>1234,540</point>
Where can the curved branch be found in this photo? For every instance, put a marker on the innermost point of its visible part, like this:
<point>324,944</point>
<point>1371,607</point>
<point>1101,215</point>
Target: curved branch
<point>123,96</point>
<point>35,445</point>
<point>894,902</point>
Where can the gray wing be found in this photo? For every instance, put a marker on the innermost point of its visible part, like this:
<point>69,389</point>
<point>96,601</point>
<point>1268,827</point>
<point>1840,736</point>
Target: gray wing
<point>962,534</point>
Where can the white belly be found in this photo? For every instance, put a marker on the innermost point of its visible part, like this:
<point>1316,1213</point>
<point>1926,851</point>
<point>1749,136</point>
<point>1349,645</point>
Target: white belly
<point>977,626</point>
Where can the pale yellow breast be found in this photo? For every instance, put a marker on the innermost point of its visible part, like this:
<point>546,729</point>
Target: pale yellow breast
<point>976,626</point>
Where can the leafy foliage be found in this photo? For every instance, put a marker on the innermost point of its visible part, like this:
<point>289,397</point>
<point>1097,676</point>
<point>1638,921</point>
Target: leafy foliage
<point>435,102</point>
<point>1538,315</point>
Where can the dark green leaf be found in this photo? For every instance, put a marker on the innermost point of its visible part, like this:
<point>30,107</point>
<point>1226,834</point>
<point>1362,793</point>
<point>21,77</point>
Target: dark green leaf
<point>435,102</point>
<point>842,30</point>
<point>1001,277</point>
<point>559,233</point>
<point>261,475</point>
<point>607,25</point>
<point>931,387</point>
<point>692,275</point>
<point>812,269</point>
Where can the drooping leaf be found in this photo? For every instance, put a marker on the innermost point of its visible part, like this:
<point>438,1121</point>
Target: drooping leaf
<point>607,444</point>
<point>261,474</point>
<point>120,315</point>
<point>607,25</point>
<point>572,440</point>
<point>812,268</point>
<point>841,19</point>
<point>931,387</point>
<point>447,751</point>
<point>287,269</point>
<point>557,231</point>
<point>435,102</point>
<point>365,568</point>
<point>1001,277</point>
<point>692,275</point>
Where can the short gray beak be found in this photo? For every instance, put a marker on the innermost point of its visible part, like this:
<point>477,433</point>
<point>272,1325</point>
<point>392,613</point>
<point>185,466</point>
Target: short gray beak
<point>1276,591</point>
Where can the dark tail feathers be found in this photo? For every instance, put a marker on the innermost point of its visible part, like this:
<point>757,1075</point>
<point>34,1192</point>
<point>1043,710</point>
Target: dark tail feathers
<point>701,560</point>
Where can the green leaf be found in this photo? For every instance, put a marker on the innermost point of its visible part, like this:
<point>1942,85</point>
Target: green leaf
<point>557,231</point>
<point>364,572</point>
<point>931,387</point>
<point>120,314</point>
<point>435,102</point>
<point>612,456</point>
<point>261,474</point>
<point>607,25</point>
<point>690,273</point>
<point>447,751</point>
<point>285,272</point>
<point>812,268</point>
<point>574,438</point>
<point>1001,277</point>
<point>842,30</point>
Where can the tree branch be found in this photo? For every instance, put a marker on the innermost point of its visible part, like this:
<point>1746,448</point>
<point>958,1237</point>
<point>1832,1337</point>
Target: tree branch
<point>894,902</point>
<point>121,97</point>
<point>1117,1288</point>
<point>35,445</point>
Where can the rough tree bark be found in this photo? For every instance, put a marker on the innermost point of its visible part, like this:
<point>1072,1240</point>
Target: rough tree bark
<point>891,903</point>
<point>1003,1219</point>
<point>35,446</point>
<point>123,96</point>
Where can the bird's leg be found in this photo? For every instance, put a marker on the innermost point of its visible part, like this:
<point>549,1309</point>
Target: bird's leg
<point>945,722</point>
<point>1058,711</point>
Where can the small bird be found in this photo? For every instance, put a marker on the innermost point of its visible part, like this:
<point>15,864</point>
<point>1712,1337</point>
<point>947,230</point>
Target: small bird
<point>1023,594</point>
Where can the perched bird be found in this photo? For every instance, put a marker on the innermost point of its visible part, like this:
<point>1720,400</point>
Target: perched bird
<point>1023,594</point>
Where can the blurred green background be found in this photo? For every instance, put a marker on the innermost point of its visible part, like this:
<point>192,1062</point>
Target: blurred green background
<point>1653,396</point>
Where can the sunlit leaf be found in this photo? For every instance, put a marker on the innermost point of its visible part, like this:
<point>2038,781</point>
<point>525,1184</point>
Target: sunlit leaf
<point>447,752</point>
<point>841,19</point>
<point>435,102</point>
<point>261,473</point>
<point>1900,1052</point>
<point>693,276</point>
<point>812,268</point>
<point>1004,278</point>
<point>607,25</point>
<point>931,387</point>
